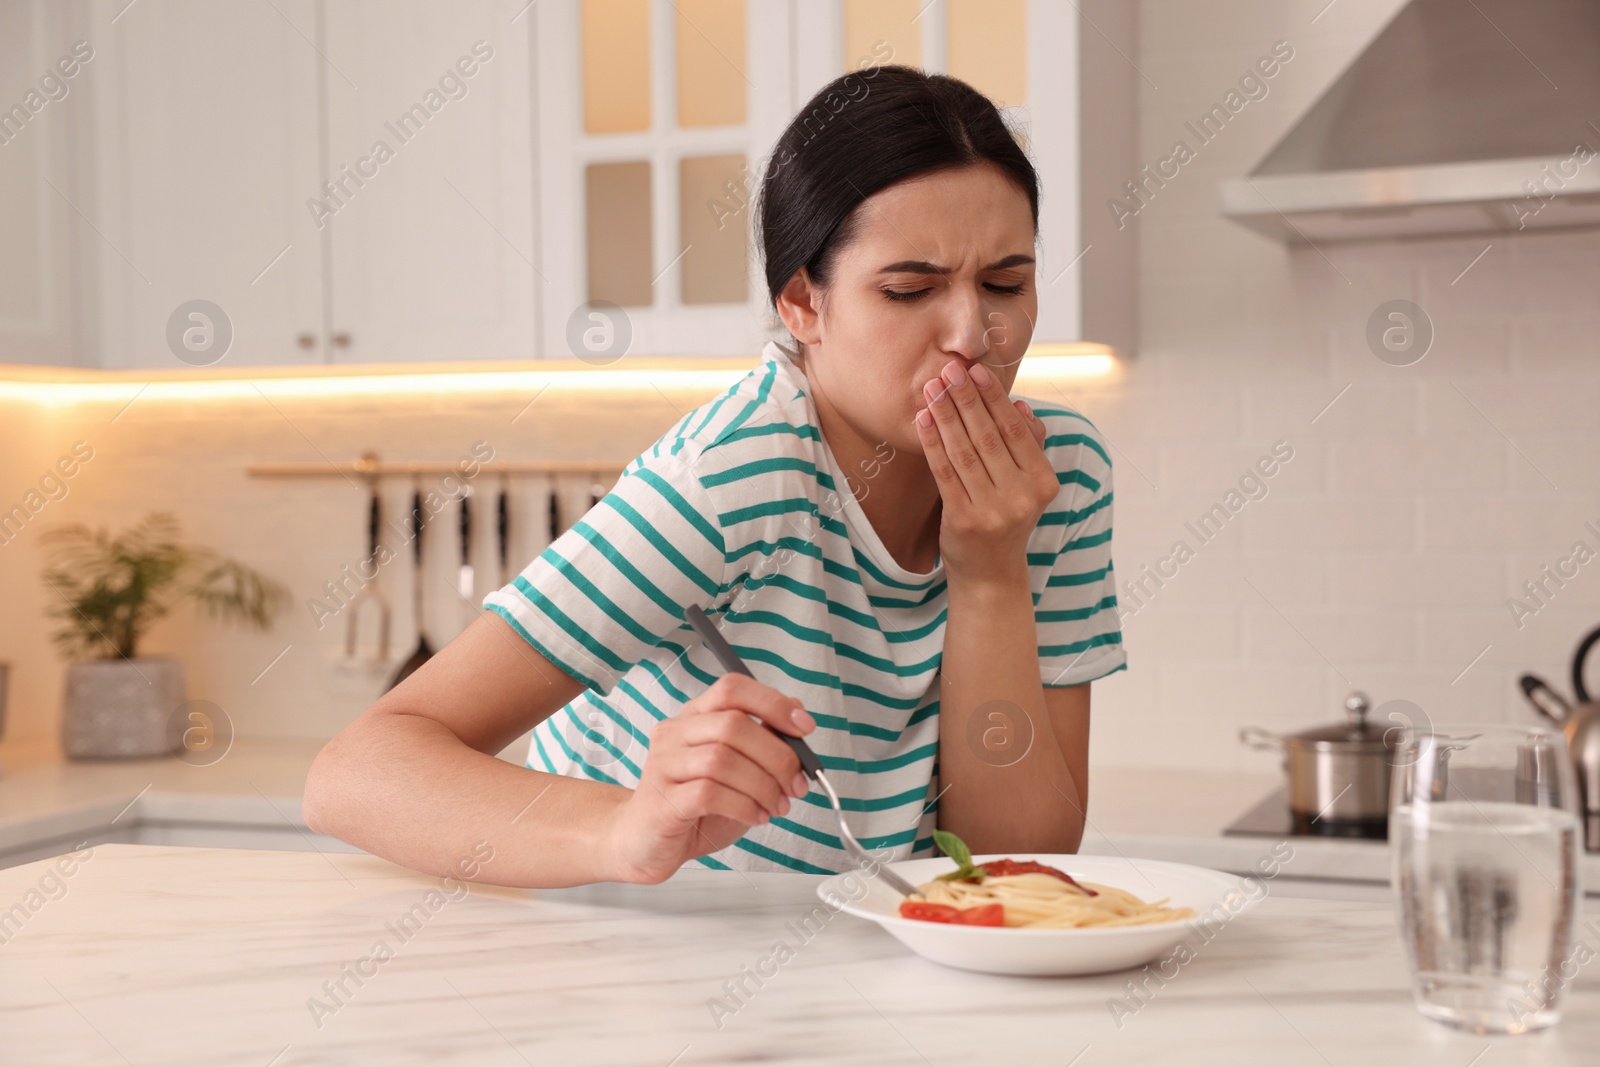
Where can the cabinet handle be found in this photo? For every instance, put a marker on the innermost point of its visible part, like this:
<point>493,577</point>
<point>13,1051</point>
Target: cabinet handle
<point>341,340</point>
<point>306,340</point>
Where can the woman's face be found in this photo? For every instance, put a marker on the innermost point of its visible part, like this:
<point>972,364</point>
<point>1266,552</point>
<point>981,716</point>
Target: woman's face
<point>941,269</point>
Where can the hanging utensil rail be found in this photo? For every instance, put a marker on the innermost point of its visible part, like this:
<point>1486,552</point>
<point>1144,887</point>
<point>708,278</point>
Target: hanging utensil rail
<point>371,468</point>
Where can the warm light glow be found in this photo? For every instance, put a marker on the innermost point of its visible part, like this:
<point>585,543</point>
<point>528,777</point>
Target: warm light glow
<point>1044,362</point>
<point>488,383</point>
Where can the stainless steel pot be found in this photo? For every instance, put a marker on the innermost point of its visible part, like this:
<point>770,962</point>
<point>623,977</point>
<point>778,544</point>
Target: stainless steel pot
<point>1338,774</point>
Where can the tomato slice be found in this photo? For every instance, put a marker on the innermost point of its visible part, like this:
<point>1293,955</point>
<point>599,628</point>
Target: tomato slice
<point>933,913</point>
<point>982,915</point>
<point>978,915</point>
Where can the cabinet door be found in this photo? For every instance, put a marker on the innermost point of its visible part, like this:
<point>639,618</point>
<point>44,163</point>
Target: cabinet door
<point>430,155</point>
<point>654,120</point>
<point>204,156</point>
<point>39,124</point>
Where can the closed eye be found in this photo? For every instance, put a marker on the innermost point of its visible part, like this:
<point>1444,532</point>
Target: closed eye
<point>918,294</point>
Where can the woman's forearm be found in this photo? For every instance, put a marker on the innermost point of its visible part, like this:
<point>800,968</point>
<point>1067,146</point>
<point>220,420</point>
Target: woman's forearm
<point>404,787</point>
<point>1006,783</point>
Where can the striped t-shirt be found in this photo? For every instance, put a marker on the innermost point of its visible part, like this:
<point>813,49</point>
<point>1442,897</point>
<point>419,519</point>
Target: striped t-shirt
<point>742,509</point>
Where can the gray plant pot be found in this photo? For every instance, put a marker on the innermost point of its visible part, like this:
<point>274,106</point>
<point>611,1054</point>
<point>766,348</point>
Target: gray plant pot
<point>123,708</point>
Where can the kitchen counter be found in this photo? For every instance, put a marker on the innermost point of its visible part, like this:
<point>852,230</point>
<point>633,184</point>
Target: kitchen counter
<point>251,799</point>
<point>183,956</point>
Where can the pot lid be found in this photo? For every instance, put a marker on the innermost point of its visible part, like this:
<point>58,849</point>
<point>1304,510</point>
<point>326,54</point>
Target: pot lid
<point>1355,730</point>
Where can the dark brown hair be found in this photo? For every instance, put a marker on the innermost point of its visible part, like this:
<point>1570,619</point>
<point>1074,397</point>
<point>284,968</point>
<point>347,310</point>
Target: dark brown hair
<point>863,132</point>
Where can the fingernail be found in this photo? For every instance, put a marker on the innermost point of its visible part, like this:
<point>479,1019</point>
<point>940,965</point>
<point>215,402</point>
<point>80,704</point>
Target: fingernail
<point>764,818</point>
<point>936,392</point>
<point>783,806</point>
<point>800,786</point>
<point>981,376</point>
<point>802,720</point>
<point>957,375</point>
<point>924,418</point>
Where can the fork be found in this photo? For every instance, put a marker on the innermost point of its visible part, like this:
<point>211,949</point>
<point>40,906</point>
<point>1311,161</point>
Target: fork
<point>808,759</point>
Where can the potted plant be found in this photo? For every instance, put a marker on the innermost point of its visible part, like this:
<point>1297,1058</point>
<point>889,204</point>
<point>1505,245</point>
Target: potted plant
<point>109,592</point>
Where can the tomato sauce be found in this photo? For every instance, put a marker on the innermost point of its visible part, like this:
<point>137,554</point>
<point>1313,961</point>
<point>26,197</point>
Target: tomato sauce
<point>1001,868</point>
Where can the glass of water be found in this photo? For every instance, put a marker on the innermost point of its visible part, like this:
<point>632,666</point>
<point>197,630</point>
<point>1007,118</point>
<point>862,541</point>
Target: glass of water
<point>1484,846</point>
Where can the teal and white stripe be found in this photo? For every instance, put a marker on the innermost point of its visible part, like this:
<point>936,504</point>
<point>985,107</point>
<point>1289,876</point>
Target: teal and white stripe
<point>741,509</point>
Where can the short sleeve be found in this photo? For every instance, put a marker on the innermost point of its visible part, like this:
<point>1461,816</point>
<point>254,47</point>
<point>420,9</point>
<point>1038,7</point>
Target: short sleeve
<point>1079,632</point>
<point>606,592</point>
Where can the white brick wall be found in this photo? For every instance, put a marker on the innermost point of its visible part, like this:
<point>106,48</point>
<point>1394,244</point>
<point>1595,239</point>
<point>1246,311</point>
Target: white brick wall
<point>1384,553</point>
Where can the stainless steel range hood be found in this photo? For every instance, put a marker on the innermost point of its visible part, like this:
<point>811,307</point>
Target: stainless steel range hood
<point>1462,116</point>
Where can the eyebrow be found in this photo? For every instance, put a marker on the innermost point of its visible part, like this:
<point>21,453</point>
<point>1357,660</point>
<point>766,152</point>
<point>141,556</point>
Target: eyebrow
<point>922,266</point>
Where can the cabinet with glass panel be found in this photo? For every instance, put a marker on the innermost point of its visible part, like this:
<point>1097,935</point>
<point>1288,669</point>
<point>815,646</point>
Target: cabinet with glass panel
<point>656,119</point>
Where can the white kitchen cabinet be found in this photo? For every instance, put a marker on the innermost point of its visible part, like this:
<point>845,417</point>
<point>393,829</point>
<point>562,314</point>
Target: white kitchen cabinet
<point>40,126</point>
<point>1074,107</point>
<point>650,217</point>
<point>205,121</point>
<point>369,181</point>
<point>218,128</point>
<point>1082,123</point>
<point>432,252</point>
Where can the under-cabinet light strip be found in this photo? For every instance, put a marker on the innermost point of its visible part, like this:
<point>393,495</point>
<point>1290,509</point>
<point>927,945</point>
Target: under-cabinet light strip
<point>126,385</point>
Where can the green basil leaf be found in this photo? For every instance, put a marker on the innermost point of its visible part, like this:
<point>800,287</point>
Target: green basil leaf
<point>954,847</point>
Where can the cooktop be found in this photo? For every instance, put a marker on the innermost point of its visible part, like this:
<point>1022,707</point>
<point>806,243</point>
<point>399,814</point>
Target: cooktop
<point>1272,818</point>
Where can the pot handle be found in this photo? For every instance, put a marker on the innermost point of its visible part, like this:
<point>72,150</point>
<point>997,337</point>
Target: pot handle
<point>1579,688</point>
<point>1257,738</point>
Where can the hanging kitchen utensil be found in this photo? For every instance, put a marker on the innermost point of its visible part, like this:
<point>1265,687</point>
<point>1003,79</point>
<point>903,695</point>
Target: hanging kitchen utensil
<point>502,508</point>
<point>555,509</point>
<point>1581,724</point>
<point>1338,774</point>
<point>424,650</point>
<point>466,584</point>
<point>369,594</point>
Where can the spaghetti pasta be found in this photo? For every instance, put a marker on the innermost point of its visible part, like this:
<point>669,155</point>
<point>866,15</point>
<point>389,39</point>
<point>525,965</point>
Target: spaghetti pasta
<point>1044,902</point>
<point>1026,893</point>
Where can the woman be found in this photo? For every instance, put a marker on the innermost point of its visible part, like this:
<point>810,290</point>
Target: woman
<point>916,568</point>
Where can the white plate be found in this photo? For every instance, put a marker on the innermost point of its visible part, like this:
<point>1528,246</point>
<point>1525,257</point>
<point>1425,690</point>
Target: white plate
<point>1217,899</point>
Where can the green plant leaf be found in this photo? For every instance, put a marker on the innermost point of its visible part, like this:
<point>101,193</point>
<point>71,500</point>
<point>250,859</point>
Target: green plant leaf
<point>953,846</point>
<point>957,849</point>
<point>112,589</point>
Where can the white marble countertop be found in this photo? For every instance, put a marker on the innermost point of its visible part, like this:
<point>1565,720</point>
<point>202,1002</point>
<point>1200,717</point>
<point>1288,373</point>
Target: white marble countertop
<point>183,956</point>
